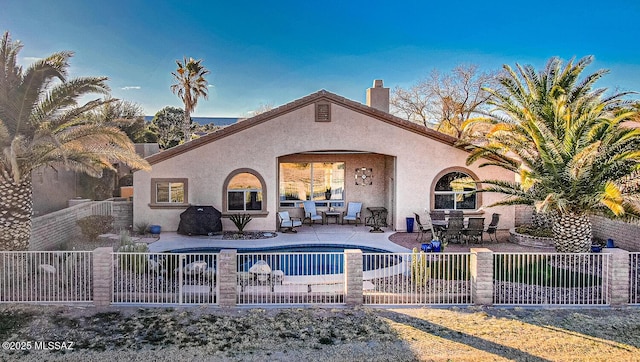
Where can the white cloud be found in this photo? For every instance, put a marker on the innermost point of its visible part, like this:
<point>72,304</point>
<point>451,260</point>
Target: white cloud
<point>130,87</point>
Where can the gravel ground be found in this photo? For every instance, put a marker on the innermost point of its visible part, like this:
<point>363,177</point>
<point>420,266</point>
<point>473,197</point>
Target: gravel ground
<point>319,334</point>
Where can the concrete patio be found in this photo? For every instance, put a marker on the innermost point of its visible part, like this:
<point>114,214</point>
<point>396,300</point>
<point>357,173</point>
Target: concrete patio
<point>328,234</point>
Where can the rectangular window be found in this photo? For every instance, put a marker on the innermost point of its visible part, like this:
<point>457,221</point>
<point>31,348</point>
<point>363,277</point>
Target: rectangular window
<point>244,200</point>
<point>455,200</point>
<point>168,192</point>
<point>319,181</point>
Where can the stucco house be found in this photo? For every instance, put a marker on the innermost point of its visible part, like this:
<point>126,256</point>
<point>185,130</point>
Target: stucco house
<point>321,147</point>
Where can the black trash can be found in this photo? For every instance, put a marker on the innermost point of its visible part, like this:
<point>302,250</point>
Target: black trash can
<point>410,222</point>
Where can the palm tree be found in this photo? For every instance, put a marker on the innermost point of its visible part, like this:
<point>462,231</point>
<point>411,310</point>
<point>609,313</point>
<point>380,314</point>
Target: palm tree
<point>574,148</point>
<point>42,124</point>
<point>189,85</point>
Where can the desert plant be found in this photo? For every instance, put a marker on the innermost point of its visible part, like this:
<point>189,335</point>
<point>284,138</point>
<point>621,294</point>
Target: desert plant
<point>574,148</point>
<point>42,123</point>
<point>420,270</point>
<point>132,262</point>
<point>142,227</point>
<point>240,221</point>
<point>95,225</point>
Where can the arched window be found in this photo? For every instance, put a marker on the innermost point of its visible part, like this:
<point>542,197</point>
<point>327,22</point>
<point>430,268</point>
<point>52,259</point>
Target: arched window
<point>244,192</point>
<point>455,191</point>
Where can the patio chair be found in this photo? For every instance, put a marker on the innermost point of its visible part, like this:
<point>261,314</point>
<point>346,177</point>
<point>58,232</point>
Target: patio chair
<point>493,226</point>
<point>288,222</point>
<point>474,229</point>
<point>352,213</point>
<point>437,215</point>
<point>311,213</point>
<point>453,232</point>
<point>422,229</point>
<point>456,214</point>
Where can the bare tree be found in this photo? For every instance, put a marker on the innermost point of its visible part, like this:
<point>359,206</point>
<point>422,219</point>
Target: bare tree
<point>262,109</point>
<point>445,102</point>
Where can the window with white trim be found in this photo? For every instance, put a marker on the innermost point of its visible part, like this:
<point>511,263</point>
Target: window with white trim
<point>244,193</point>
<point>322,182</point>
<point>455,191</point>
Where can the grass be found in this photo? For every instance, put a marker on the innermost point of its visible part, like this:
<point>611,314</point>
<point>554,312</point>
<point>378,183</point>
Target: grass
<point>539,271</point>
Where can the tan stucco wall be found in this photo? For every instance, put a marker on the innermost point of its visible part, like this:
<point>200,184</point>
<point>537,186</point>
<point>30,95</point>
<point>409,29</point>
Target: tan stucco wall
<point>417,161</point>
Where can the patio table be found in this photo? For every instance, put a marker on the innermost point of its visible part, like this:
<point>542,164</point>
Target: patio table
<point>333,214</point>
<point>438,227</point>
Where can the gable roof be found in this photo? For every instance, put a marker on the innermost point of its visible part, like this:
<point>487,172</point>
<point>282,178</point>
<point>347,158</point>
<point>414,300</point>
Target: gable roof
<point>321,95</point>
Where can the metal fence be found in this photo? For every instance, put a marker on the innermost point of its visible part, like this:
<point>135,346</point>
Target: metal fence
<point>311,278</point>
<point>417,278</point>
<point>164,278</point>
<point>41,276</point>
<point>550,279</point>
<point>290,278</point>
<point>104,208</point>
<point>634,278</point>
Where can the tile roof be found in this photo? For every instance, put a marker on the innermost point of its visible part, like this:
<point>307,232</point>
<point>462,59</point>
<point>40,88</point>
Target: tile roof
<point>321,95</point>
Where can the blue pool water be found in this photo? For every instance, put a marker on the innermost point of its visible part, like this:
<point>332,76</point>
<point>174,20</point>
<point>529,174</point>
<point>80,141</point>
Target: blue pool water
<point>302,260</point>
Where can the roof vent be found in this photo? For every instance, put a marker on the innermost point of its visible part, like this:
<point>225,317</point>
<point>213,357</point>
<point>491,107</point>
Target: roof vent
<point>323,112</point>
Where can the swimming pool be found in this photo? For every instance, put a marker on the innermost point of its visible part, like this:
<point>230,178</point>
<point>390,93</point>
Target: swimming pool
<point>298,259</point>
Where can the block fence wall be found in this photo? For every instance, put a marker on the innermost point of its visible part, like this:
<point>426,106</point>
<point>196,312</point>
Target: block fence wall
<point>50,231</point>
<point>481,271</point>
<point>625,235</point>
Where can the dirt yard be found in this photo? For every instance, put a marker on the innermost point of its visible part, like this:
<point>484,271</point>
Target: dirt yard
<point>407,334</point>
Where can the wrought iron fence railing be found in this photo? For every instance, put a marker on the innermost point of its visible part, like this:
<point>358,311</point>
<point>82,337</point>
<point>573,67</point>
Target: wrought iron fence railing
<point>45,276</point>
<point>634,278</point>
<point>164,278</point>
<point>550,279</point>
<point>290,278</point>
<point>416,278</point>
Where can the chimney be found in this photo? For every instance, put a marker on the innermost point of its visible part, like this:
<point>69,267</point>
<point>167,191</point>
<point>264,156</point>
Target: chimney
<point>378,96</point>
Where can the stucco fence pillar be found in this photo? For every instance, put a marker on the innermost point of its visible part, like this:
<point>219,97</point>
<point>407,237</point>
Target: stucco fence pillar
<point>353,277</point>
<point>102,276</point>
<point>481,269</point>
<point>227,278</point>
<point>617,275</point>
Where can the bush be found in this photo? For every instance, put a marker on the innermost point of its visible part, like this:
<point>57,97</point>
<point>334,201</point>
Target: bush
<point>95,225</point>
<point>142,227</point>
<point>240,220</point>
<point>131,262</point>
<point>534,231</point>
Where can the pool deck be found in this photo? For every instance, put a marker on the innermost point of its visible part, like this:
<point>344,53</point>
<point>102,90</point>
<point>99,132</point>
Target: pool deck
<point>330,234</point>
<point>307,235</point>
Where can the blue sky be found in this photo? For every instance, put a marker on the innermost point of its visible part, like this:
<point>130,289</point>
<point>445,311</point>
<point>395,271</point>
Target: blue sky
<point>272,52</point>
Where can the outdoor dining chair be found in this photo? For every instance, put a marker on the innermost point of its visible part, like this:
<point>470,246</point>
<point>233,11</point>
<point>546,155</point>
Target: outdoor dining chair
<point>456,214</point>
<point>493,226</point>
<point>474,229</point>
<point>453,232</point>
<point>353,213</point>
<point>288,222</point>
<point>422,229</point>
<point>311,213</point>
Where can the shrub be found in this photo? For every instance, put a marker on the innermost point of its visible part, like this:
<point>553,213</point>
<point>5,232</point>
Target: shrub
<point>95,225</point>
<point>240,220</point>
<point>534,231</point>
<point>134,263</point>
<point>142,227</point>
